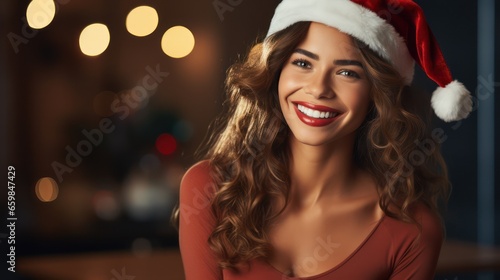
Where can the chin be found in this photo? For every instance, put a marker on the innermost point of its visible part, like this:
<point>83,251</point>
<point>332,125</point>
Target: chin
<point>312,139</point>
<point>318,138</point>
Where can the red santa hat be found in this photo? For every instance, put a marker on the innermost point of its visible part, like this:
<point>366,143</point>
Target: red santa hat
<point>394,29</point>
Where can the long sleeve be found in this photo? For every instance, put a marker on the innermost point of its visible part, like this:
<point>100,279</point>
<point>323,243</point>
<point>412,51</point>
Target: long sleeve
<point>196,224</point>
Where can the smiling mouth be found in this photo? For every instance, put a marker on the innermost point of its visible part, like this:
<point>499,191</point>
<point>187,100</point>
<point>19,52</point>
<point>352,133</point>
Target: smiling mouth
<point>317,114</point>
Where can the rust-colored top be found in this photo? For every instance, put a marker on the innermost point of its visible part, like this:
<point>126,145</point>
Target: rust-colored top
<point>393,250</point>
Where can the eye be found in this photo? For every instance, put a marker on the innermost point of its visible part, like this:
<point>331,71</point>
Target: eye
<point>349,73</point>
<point>302,63</point>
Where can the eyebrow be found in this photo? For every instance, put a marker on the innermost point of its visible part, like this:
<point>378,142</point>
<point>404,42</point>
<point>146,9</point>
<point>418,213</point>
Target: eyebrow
<point>341,62</point>
<point>307,53</point>
<point>346,62</point>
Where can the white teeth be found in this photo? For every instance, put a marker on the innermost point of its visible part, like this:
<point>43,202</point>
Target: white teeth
<point>315,113</point>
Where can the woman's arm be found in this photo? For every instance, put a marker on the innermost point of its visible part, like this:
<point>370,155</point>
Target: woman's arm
<point>196,224</point>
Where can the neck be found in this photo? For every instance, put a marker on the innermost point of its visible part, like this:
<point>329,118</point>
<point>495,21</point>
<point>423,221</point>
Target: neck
<point>321,171</point>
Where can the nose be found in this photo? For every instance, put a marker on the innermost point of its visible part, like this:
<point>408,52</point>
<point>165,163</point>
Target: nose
<point>319,85</point>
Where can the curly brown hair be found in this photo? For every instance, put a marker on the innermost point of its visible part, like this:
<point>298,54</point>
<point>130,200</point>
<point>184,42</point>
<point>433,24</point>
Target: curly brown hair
<point>249,155</point>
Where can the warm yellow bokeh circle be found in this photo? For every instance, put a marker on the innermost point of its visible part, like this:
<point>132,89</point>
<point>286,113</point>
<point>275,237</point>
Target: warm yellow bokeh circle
<point>40,13</point>
<point>94,39</point>
<point>177,42</point>
<point>46,189</point>
<point>142,21</point>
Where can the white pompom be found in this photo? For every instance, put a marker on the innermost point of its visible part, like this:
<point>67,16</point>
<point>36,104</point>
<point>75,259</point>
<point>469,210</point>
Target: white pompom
<point>452,103</point>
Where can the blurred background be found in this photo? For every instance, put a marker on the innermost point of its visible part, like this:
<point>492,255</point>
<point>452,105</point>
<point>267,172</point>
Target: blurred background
<point>103,104</point>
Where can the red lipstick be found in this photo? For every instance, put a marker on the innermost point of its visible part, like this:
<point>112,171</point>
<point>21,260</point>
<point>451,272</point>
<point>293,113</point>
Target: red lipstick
<point>312,121</point>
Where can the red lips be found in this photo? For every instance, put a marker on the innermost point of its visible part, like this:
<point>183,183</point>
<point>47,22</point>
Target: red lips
<point>316,122</point>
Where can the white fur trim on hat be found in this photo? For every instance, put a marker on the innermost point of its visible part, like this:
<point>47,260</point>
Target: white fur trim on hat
<point>352,19</point>
<point>452,103</point>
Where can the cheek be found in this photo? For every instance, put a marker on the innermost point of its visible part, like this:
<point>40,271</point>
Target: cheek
<point>283,86</point>
<point>287,84</point>
<point>359,102</point>
<point>367,99</point>
<point>363,104</point>
<point>282,93</point>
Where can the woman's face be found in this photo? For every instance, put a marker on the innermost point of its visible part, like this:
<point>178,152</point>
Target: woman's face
<point>323,89</point>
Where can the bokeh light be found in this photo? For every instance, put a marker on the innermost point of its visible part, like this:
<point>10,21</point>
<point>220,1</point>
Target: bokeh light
<point>166,144</point>
<point>142,21</point>
<point>46,189</point>
<point>94,39</point>
<point>106,205</point>
<point>40,13</point>
<point>177,42</point>
<point>146,199</point>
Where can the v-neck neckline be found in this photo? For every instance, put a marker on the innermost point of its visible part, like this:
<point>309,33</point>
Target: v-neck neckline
<point>350,256</point>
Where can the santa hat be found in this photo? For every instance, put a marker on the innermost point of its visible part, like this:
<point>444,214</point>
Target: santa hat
<point>397,31</point>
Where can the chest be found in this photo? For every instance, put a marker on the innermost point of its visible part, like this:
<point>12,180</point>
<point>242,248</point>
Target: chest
<point>307,245</point>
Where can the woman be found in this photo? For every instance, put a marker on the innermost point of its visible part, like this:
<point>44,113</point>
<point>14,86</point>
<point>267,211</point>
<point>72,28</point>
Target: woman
<point>310,174</point>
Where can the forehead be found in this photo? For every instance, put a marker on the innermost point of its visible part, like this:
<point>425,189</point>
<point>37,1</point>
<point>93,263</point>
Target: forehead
<point>326,40</point>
